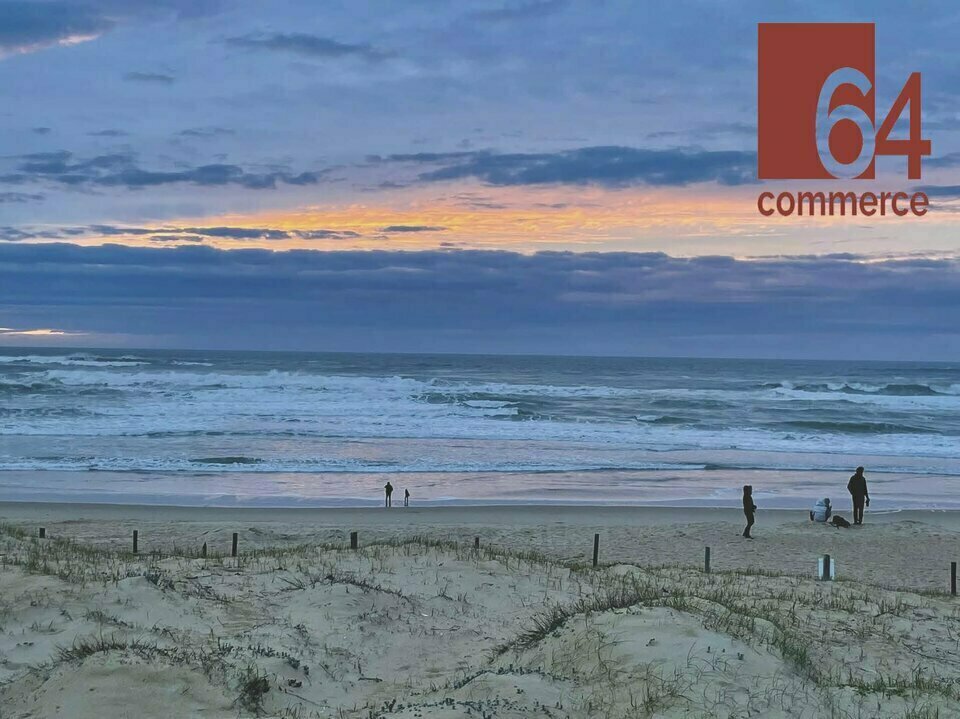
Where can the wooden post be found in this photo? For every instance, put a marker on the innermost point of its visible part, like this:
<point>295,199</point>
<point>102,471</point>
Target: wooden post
<point>354,540</point>
<point>953,578</point>
<point>826,568</point>
<point>706,560</point>
<point>203,550</point>
<point>136,537</point>
<point>233,550</point>
<point>476,542</point>
<point>596,549</point>
<point>43,532</point>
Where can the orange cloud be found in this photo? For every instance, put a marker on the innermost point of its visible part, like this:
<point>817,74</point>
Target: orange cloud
<point>692,220</point>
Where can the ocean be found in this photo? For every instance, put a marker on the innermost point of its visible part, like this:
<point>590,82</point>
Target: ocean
<point>296,429</point>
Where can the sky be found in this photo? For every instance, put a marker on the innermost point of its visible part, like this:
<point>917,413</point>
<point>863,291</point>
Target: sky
<point>509,176</point>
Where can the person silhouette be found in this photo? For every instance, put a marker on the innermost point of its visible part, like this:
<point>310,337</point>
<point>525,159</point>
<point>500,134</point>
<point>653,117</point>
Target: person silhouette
<point>388,494</point>
<point>857,486</point>
<point>748,508</point>
<point>406,498</point>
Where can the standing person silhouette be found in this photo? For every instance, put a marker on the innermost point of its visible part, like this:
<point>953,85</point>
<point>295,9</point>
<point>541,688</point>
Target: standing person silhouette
<point>857,486</point>
<point>406,498</point>
<point>388,494</point>
<point>748,508</point>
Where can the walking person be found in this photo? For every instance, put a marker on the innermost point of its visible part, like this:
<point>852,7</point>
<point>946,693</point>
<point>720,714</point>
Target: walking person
<point>406,498</point>
<point>749,508</point>
<point>857,486</point>
<point>388,494</point>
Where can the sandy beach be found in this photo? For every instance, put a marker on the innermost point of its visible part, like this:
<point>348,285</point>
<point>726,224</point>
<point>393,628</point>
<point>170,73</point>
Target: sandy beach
<point>416,623</point>
<point>908,549</point>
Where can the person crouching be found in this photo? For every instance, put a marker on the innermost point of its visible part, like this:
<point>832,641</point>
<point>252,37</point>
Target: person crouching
<point>822,511</point>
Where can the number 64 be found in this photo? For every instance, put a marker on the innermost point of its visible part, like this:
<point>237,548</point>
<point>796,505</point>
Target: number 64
<point>913,147</point>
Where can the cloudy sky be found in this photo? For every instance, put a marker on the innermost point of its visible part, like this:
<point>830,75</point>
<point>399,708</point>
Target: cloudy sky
<point>484,176</point>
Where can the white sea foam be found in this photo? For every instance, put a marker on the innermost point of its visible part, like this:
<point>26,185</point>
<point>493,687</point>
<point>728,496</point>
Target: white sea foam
<point>154,412</point>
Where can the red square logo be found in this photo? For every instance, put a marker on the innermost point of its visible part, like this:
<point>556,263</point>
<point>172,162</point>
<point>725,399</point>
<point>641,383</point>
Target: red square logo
<point>795,62</point>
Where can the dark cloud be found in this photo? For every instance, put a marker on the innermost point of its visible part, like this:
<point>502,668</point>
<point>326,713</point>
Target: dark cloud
<point>412,228</point>
<point>474,301</point>
<point>121,170</point>
<point>27,25</point>
<point>239,233</point>
<point>41,131</point>
<point>206,132</point>
<point>18,197</point>
<point>13,234</point>
<point>324,234</point>
<point>943,192</point>
<point>108,133</point>
<point>150,77</point>
<point>607,166</point>
<point>306,45</point>
<point>709,131</point>
<point>423,157</point>
<point>951,159</point>
<point>171,234</point>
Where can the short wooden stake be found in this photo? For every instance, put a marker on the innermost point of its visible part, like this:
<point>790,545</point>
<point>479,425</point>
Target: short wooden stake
<point>826,568</point>
<point>596,549</point>
<point>233,550</point>
<point>136,543</point>
<point>354,540</point>
<point>476,542</point>
<point>203,550</point>
<point>953,578</point>
<point>706,560</point>
<point>43,532</point>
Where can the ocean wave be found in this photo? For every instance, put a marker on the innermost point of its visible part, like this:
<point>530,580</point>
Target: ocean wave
<point>75,360</point>
<point>861,388</point>
<point>27,413</point>
<point>51,387</point>
<point>261,465</point>
<point>627,470</point>
<point>227,460</point>
<point>856,427</point>
<point>664,419</point>
<point>215,408</point>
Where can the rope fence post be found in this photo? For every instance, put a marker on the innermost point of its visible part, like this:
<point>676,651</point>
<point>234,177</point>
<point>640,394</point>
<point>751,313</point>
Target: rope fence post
<point>953,578</point>
<point>596,549</point>
<point>43,532</point>
<point>233,549</point>
<point>354,540</point>
<point>706,560</point>
<point>136,541</point>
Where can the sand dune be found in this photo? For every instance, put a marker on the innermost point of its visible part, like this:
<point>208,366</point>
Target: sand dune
<point>428,628</point>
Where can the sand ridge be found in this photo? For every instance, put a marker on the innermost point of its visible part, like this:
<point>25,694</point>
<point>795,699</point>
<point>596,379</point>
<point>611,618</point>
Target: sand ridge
<point>428,628</point>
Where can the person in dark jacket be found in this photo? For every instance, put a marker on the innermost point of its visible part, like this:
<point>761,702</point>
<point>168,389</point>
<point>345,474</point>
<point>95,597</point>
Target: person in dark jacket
<point>388,495</point>
<point>748,508</point>
<point>857,486</point>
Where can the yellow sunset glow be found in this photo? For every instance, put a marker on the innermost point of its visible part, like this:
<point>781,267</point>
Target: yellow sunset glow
<point>680,221</point>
